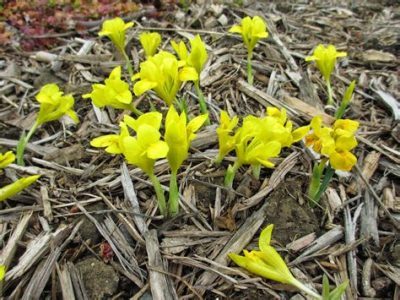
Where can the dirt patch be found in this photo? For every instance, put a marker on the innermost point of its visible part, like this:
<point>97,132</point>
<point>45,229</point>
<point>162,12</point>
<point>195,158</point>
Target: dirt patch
<point>100,280</point>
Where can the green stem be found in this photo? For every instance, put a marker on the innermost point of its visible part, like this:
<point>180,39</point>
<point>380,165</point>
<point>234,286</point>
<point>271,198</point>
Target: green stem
<point>305,289</point>
<point>315,183</point>
<point>230,174</point>
<point>22,143</point>
<point>325,182</point>
<point>202,101</point>
<point>250,77</point>
<point>128,64</point>
<point>173,202</point>
<point>160,194</point>
<point>133,109</point>
<point>256,171</point>
<point>330,92</point>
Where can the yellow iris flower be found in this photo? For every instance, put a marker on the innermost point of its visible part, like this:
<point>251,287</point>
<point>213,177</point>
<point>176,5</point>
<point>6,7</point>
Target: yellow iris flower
<point>335,143</point>
<point>163,74</point>
<point>115,29</point>
<point>198,54</point>
<point>325,58</point>
<point>267,263</point>
<point>226,139</point>
<point>251,29</point>
<point>150,42</point>
<point>115,92</point>
<point>54,105</point>
<point>179,134</point>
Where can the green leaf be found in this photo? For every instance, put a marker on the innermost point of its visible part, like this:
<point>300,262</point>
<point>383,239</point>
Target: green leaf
<point>21,148</point>
<point>325,288</point>
<point>337,293</point>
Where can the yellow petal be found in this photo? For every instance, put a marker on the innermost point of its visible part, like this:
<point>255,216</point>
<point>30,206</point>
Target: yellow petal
<point>6,159</point>
<point>188,74</point>
<point>2,272</point>
<point>299,133</point>
<point>16,187</point>
<point>343,161</point>
<point>110,142</point>
<point>236,29</point>
<point>143,86</point>
<point>158,150</point>
<point>265,237</point>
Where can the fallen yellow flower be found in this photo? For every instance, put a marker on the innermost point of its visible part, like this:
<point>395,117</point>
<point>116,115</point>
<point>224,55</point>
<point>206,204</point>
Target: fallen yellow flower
<point>268,263</point>
<point>16,187</point>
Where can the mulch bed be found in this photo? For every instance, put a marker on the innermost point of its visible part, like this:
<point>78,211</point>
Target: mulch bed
<point>90,228</point>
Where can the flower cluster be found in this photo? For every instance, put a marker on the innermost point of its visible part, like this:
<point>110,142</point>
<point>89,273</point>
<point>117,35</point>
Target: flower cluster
<point>334,143</point>
<point>146,147</point>
<point>257,140</point>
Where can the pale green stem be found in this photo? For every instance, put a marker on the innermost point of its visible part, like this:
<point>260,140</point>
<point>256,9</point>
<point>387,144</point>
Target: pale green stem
<point>250,77</point>
<point>330,92</point>
<point>128,64</point>
<point>256,171</point>
<point>305,289</point>
<point>202,101</point>
<point>173,202</point>
<point>230,174</point>
<point>133,109</point>
<point>340,111</point>
<point>325,182</point>
<point>315,183</point>
<point>160,194</point>
<point>22,143</point>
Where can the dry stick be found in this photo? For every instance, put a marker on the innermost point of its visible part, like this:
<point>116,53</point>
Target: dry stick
<point>8,251</point>
<point>294,107</point>
<point>246,232</point>
<point>350,237</point>
<point>130,195</point>
<point>42,273</point>
<point>378,200</point>
<point>67,289</point>
<point>161,285</point>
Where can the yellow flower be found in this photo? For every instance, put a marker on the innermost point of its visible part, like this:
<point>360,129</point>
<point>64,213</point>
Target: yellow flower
<point>178,136</point>
<point>6,159</point>
<point>335,143</point>
<point>143,150</point>
<point>150,42</point>
<point>198,54</point>
<point>268,263</point>
<point>226,140</point>
<point>115,29</point>
<point>325,57</point>
<point>162,74</point>
<point>53,105</point>
<point>16,187</point>
<point>112,142</point>
<point>115,92</point>
<point>251,29</point>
